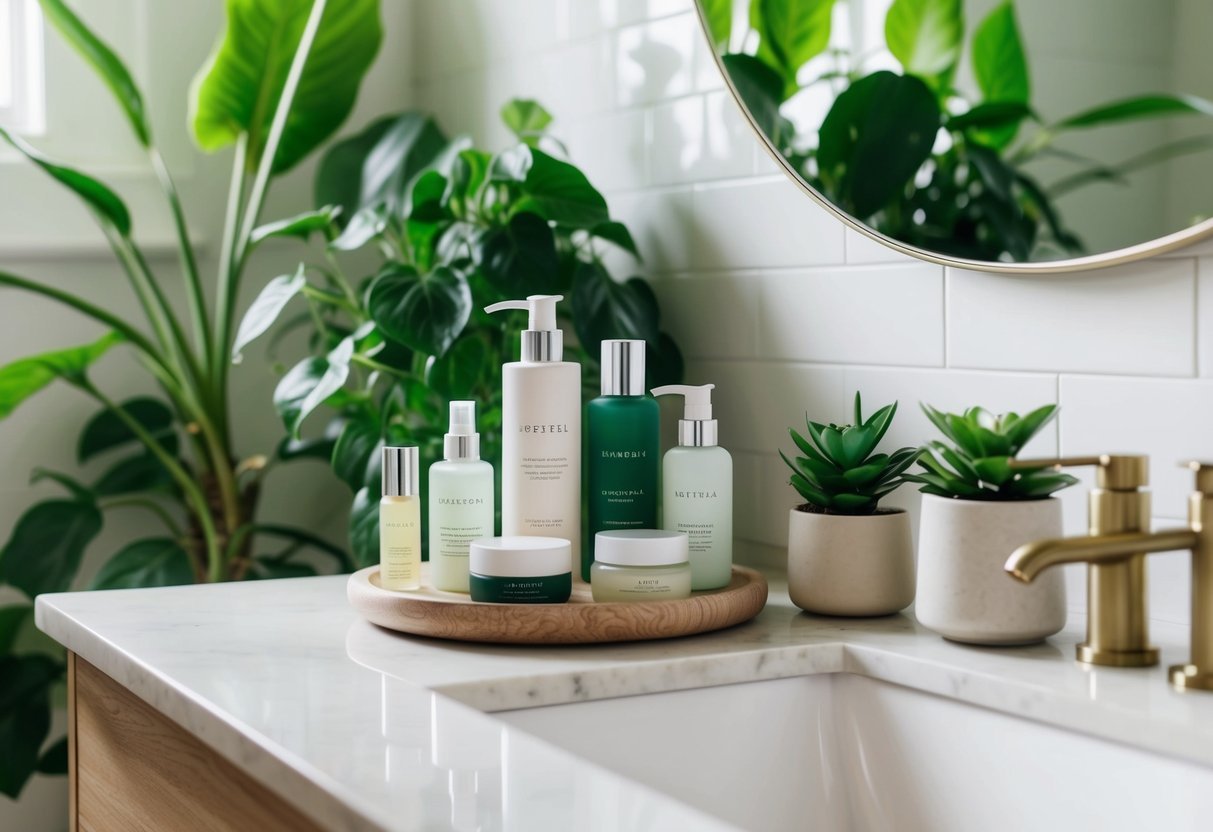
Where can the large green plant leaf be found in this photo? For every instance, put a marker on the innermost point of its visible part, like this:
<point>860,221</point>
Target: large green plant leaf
<point>338,178</point>
<point>719,15</point>
<point>156,561</point>
<point>425,312</point>
<point>458,374</point>
<point>269,304</point>
<point>925,35</point>
<point>1001,67</point>
<point>1138,108</point>
<point>104,202</point>
<point>364,528</point>
<point>790,34</point>
<point>238,90</point>
<point>604,308</point>
<point>526,119</point>
<point>553,189</point>
<point>618,234</point>
<point>301,225</point>
<point>761,90</point>
<point>519,258</point>
<point>135,474</point>
<point>25,716</point>
<point>107,430</point>
<point>310,383</point>
<point>108,66</point>
<point>26,376</point>
<point>12,618</point>
<point>357,441</point>
<point>44,551</point>
<point>411,144</point>
<point>876,136</point>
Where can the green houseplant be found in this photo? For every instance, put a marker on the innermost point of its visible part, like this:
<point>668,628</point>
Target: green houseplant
<point>454,228</point>
<point>846,555</point>
<point>281,80</point>
<point>913,156</point>
<point>977,509</point>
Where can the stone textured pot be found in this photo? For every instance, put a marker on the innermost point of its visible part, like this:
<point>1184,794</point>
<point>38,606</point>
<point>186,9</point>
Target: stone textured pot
<point>964,594</point>
<point>845,565</point>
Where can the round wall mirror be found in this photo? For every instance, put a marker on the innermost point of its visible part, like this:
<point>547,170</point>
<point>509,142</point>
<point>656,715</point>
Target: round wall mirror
<point>1022,135</point>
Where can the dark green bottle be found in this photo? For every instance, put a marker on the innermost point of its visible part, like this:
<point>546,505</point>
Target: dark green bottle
<point>623,457</point>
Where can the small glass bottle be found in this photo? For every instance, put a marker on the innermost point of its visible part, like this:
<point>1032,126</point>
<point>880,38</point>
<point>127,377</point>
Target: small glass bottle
<point>400,521</point>
<point>461,500</point>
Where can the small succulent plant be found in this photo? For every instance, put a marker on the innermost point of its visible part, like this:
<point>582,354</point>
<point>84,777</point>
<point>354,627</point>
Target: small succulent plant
<point>977,465</point>
<point>840,473</point>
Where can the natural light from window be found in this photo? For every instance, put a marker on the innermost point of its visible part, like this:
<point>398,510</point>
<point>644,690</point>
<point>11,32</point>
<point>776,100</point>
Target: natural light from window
<point>22,91</point>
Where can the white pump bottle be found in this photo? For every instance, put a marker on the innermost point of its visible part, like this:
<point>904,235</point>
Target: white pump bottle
<point>697,488</point>
<point>541,432</point>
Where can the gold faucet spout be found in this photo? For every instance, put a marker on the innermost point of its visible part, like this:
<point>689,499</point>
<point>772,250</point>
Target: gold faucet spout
<point>1030,560</point>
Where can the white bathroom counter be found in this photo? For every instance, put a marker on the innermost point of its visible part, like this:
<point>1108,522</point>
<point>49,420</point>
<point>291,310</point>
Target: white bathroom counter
<point>360,728</point>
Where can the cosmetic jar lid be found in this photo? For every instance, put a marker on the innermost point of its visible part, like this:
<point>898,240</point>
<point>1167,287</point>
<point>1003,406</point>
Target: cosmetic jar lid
<point>641,547</point>
<point>520,557</point>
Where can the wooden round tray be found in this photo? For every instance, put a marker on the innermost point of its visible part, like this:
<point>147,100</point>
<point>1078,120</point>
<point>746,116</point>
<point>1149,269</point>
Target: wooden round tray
<point>451,615</point>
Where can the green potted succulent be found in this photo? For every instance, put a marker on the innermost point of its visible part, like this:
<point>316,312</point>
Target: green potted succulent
<point>846,554</point>
<point>978,508</point>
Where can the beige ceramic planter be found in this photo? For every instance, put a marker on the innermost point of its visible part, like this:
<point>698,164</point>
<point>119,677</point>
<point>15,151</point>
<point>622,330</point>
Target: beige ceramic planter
<point>844,565</point>
<point>964,594</point>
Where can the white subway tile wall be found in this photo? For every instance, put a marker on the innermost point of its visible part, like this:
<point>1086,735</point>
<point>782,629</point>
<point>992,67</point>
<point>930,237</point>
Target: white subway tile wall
<point>786,309</point>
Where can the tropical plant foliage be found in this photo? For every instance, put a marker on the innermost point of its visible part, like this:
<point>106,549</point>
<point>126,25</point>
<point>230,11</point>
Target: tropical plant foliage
<point>911,155</point>
<point>977,465</point>
<point>281,80</point>
<point>455,229</point>
<point>841,472</point>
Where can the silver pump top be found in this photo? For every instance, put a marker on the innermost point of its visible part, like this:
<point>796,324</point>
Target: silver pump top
<point>622,368</point>
<point>401,472</point>
<point>542,340</point>
<point>461,440</point>
<point>696,428</point>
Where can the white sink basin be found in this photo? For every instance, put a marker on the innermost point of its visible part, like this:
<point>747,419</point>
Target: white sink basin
<point>845,752</point>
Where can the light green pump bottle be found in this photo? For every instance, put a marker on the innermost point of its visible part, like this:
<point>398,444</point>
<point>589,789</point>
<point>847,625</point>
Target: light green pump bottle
<point>697,489</point>
<point>461,501</point>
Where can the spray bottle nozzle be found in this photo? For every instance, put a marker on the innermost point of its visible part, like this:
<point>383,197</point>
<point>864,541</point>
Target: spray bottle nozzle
<point>461,440</point>
<point>463,418</point>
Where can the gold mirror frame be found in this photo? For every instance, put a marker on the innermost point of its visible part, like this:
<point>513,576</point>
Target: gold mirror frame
<point>1129,254</point>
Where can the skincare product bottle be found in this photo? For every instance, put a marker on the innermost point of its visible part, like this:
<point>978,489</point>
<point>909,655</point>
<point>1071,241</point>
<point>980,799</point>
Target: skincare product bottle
<point>541,431</point>
<point>461,500</point>
<point>697,488</point>
<point>400,521</point>
<point>641,565</point>
<point>521,570</point>
<point>622,448</point>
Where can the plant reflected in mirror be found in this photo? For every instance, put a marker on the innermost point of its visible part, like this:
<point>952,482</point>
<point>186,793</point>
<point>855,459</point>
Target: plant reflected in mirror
<point>989,131</point>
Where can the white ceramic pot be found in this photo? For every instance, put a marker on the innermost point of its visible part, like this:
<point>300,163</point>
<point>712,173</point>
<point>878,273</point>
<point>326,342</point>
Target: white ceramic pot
<point>964,594</point>
<point>850,565</point>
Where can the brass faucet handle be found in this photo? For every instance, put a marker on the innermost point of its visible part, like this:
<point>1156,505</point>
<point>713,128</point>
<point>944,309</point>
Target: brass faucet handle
<point>1204,476</point>
<point>1117,472</point>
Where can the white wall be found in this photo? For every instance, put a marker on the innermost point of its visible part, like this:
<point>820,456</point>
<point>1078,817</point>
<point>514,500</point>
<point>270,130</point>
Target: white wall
<point>786,310</point>
<point>46,235</point>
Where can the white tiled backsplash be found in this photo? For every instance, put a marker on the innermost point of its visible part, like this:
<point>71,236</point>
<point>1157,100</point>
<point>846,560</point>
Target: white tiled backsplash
<point>786,310</point>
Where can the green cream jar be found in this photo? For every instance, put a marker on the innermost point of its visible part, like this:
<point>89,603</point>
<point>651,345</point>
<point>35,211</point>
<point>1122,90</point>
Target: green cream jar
<point>520,570</point>
<point>640,565</point>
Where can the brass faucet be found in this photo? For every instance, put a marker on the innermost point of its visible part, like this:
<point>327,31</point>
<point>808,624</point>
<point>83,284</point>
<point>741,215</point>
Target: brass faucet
<point>1115,552</point>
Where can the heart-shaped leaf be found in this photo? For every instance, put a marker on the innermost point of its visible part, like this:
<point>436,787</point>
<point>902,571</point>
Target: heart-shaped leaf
<point>26,376</point>
<point>107,204</point>
<point>141,472</point>
<point>269,304</point>
<point>790,34</point>
<point>25,716</point>
<point>526,119</point>
<point>617,233</point>
<point>310,382</point>
<point>604,309</point>
<point>925,35</point>
<point>106,430</point>
<point>44,551</point>
<point>457,374</point>
<point>238,90</point>
<point>338,179</point>
<point>353,450</point>
<point>408,146</point>
<point>555,190</point>
<point>425,312</point>
<point>519,258</point>
<point>364,528</point>
<point>108,66</point>
<point>157,561</point>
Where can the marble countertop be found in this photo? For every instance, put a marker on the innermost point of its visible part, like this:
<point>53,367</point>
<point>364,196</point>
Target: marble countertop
<point>364,729</point>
